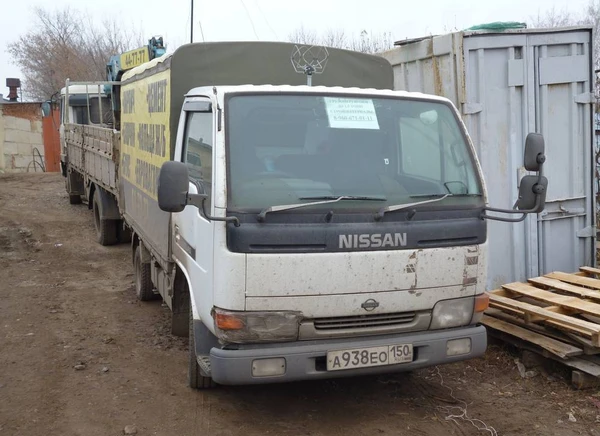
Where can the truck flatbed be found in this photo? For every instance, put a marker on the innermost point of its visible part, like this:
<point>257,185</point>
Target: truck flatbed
<point>94,152</point>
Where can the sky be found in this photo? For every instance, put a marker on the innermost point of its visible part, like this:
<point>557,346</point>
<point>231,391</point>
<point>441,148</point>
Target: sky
<point>276,19</point>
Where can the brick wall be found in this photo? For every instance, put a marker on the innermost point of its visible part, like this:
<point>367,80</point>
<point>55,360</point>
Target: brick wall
<point>20,134</point>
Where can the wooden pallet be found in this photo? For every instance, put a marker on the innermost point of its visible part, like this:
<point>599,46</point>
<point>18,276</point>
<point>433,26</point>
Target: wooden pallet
<point>555,301</point>
<point>557,315</point>
<point>554,346</point>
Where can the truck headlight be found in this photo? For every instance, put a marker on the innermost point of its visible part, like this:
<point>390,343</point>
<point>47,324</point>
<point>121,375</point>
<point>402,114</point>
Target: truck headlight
<point>458,312</point>
<point>248,327</point>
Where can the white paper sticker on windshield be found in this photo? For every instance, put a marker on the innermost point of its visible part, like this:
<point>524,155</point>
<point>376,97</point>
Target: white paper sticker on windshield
<point>351,113</point>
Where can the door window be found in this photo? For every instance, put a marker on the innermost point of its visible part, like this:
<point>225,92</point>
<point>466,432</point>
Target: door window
<point>197,153</point>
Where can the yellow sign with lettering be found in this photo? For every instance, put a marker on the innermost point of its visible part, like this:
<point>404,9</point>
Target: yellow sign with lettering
<point>134,58</point>
<point>145,143</point>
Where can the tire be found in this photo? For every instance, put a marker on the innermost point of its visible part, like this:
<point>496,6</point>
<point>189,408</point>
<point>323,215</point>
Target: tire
<point>74,199</point>
<point>124,233</point>
<point>143,285</point>
<point>106,230</point>
<point>196,378</point>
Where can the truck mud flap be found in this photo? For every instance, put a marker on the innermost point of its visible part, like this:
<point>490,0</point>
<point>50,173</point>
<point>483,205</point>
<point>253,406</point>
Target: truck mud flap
<point>75,184</point>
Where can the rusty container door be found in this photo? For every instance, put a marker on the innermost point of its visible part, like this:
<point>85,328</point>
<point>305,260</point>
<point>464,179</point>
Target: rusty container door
<point>50,126</point>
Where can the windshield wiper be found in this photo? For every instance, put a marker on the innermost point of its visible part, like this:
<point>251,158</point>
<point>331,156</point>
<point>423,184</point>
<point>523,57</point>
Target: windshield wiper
<point>443,195</point>
<point>434,198</point>
<point>379,216</point>
<point>344,197</point>
<point>325,200</point>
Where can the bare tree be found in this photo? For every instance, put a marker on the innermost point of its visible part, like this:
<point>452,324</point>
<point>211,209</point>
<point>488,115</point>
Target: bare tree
<point>304,36</point>
<point>337,38</point>
<point>553,18</point>
<point>374,43</point>
<point>560,18</point>
<point>110,39</point>
<point>66,44</point>
<point>592,18</point>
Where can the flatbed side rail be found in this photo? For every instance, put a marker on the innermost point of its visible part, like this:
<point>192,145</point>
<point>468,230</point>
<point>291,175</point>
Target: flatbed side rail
<point>94,152</point>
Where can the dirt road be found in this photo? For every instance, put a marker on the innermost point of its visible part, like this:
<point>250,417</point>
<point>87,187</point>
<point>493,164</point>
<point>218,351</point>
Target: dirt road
<point>79,355</point>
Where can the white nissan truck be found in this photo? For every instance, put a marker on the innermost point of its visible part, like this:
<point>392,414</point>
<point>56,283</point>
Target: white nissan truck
<point>300,232</point>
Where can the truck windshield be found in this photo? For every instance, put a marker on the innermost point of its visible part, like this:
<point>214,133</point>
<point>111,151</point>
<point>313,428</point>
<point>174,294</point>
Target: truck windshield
<point>290,149</point>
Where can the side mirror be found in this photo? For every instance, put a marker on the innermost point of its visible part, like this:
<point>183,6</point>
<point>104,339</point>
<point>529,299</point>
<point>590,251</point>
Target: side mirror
<point>532,194</point>
<point>173,186</point>
<point>46,109</point>
<point>532,189</point>
<point>534,152</point>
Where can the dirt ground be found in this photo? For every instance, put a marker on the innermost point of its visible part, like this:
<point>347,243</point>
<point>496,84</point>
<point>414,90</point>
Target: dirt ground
<point>79,355</point>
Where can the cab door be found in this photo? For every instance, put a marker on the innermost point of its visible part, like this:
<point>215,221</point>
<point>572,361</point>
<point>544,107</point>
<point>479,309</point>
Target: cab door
<point>192,232</point>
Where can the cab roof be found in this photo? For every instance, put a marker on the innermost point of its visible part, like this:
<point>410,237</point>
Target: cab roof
<point>221,91</point>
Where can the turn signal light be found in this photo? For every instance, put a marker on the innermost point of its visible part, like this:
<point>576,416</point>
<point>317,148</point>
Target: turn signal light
<point>226,321</point>
<point>482,302</point>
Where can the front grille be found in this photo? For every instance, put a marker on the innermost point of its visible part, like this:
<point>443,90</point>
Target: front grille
<point>363,321</point>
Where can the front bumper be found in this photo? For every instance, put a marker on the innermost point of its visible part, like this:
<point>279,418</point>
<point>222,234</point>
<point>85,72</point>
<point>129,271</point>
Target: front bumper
<point>306,360</point>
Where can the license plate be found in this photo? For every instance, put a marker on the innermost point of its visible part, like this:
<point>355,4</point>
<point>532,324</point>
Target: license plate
<point>367,357</point>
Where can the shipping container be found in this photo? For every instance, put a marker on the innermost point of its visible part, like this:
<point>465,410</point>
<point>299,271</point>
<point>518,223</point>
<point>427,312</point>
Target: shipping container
<point>507,84</point>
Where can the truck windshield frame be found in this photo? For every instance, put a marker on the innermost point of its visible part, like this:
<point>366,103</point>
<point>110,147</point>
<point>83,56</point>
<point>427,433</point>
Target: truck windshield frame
<point>322,144</point>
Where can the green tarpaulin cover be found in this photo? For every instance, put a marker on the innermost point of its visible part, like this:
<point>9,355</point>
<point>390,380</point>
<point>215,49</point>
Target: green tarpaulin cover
<point>499,26</point>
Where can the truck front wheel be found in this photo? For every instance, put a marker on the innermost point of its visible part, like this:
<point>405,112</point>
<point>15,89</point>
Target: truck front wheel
<point>196,376</point>
<point>106,230</point>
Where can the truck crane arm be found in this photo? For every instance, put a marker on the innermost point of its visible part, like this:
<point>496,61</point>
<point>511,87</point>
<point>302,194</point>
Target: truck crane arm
<point>118,64</point>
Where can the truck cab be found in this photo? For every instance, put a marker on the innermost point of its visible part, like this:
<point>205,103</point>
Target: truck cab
<point>86,104</point>
<point>326,232</point>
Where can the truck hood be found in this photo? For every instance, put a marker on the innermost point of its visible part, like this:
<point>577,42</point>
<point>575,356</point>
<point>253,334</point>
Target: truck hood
<point>332,284</point>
